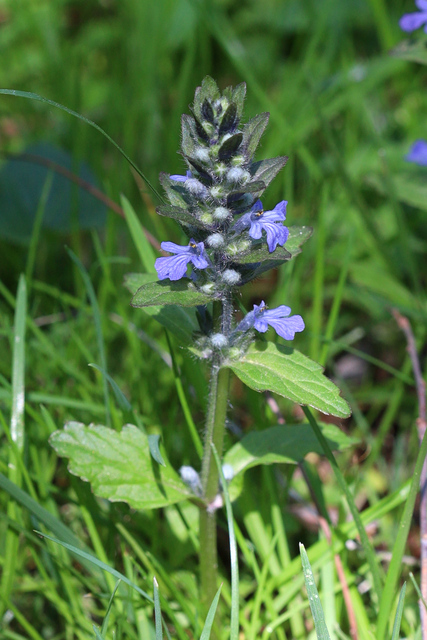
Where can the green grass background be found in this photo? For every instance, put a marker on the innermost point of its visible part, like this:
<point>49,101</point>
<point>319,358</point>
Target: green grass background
<point>345,111</point>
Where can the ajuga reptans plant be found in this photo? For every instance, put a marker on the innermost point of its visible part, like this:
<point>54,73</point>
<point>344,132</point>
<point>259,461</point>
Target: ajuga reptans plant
<point>232,238</point>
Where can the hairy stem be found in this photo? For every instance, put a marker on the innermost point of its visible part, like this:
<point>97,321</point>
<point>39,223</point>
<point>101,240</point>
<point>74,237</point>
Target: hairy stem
<point>215,428</point>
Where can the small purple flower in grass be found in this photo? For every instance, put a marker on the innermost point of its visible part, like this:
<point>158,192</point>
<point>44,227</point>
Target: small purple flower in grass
<point>418,153</point>
<point>285,326</point>
<point>259,220</point>
<point>174,267</point>
<point>413,21</point>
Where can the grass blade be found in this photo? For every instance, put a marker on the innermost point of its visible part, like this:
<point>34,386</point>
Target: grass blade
<point>313,597</point>
<point>35,96</point>
<point>206,633</point>
<point>157,611</point>
<point>98,327</point>
<point>145,251</point>
<point>98,563</point>
<point>399,613</point>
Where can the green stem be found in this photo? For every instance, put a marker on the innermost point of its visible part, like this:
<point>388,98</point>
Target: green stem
<point>215,428</point>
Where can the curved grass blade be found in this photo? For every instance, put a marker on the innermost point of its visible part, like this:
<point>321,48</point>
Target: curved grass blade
<point>35,96</point>
<point>313,597</point>
<point>153,445</point>
<point>206,633</point>
<point>98,563</point>
<point>399,613</point>
<point>110,604</point>
<point>367,547</point>
<point>98,328</point>
<point>122,401</point>
<point>234,622</point>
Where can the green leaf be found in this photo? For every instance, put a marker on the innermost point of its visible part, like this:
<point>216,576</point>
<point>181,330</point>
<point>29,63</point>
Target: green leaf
<point>22,181</point>
<point>153,444</point>
<point>174,191</point>
<point>206,633</point>
<point>252,132</point>
<point>180,215</point>
<point>267,170</point>
<point>270,367</point>
<point>118,465</point>
<point>145,250</point>
<point>313,597</point>
<point>238,96</point>
<point>399,613</point>
<point>414,50</point>
<point>229,119</point>
<point>288,444</point>
<point>259,253</point>
<point>180,321</point>
<point>297,236</point>
<point>230,146</point>
<point>165,292</point>
<point>188,135</point>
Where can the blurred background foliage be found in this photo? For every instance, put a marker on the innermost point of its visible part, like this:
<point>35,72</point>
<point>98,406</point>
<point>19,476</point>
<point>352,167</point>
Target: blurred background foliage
<point>346,112</point>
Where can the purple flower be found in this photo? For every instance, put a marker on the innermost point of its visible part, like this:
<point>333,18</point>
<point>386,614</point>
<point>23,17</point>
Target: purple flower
<point>413,21</point>
<point>259,220</point>
<point>174,267</point>
<point>179,178</point>
<point>261,317</point>
<point>418,153</point>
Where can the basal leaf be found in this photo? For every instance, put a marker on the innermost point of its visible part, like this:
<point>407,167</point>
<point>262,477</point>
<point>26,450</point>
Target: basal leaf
<point>270,367</point>
<point>313,597</point>
<point>282,444</point>
<point>164,292</point>
<point>119,466</point>
<point>180,321</point>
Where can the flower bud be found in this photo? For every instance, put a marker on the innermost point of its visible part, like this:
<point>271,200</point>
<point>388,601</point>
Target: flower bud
<point>217,191</point>
<point>218,340</point>
<point>208,288</point>
<point>221,213</point>
<point>202,154</point>
<point>206,218</point>
<point>238,175</point>
<point>195,187</point>
<point>231,277</point>
<point>228,472</point>
<point>215,240</point>
<point>236,161</point>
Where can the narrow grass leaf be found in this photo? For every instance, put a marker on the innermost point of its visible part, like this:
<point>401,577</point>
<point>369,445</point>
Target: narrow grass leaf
<point>234,622</point>
<point>110,604</point>
<point>35,96</point>
<point>418,590</point>
<point>157,611</point>
<point>18,367</point>
<point>98,326</point>
<point>145,251</point>
<point>38,221</point>
<point>206,633</point>
<point>122,401</point>
<point>98,635</point>
<point>399,613</point>
<point>87,556</point>
<point>395,566</point>
<point>313,597</point>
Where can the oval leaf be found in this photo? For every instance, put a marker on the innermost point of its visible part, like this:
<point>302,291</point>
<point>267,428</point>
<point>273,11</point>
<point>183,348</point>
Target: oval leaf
<point>164,292</point>
<point>270,367</point>
<point>287,444</point>
<point>119,466</point>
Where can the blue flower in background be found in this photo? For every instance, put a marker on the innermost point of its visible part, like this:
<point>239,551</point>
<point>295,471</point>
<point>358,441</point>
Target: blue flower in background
<point>413,21</point>
<point>259,220</point>
<point>278,318</point>
<point>418,153</point>
<point>175,266</point>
